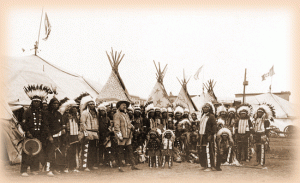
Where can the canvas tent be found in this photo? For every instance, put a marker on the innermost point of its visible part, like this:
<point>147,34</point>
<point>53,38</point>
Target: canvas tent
<point>10,135</point>
<point>283,108</point>
<point>35,70</point>
<point>183,97</point>
<point>114,88</point>
<point>158,94</point>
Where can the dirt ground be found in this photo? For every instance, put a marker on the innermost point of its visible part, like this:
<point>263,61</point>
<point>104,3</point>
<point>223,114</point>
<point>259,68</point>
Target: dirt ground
<point>280,162</point>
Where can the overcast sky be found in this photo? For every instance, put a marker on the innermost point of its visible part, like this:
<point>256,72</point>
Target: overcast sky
<point>225,41</point>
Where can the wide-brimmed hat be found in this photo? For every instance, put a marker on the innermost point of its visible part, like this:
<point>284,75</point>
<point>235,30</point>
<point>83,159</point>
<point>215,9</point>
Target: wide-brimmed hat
<point>121,102</point>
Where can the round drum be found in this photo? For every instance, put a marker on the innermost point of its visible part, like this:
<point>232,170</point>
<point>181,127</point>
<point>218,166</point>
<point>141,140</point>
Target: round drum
<point>32,146</point>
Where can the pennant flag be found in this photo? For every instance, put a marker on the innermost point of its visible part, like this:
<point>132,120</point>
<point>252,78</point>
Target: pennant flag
<point>159,96</point>
<point>197,73</point>
<point>47,27</point>
<point>270,73</point>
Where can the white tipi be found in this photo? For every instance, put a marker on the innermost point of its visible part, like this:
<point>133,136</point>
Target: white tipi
<point>159,96</point>
<point>114,88</point>
<point>183,97</point>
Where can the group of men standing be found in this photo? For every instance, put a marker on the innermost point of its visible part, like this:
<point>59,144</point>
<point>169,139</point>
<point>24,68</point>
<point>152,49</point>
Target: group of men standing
<point>77,134</point>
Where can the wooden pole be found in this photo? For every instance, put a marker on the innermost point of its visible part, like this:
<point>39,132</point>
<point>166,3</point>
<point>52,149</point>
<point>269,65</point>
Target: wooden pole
<point>271,85</point>
<point>245,83</point>
<point>37,44</point>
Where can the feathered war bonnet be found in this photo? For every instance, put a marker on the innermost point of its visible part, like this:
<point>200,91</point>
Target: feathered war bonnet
<point>149,107</point>
<point>244,108</point>
<point>66,103</point>
<point>101,107</point>
<point>211,106</point>
<point>220,109</point>
<point>79,98</point>
<point>153,132</point>
<point>168,132</point>
<point>231,110</point>
<point>178,109</point>
<point>37,92</point>
<point>84,102</point>
<point>267,109</point>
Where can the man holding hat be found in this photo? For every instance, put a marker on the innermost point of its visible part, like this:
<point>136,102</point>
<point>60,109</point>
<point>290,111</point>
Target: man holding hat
<point>35,126</point>
<point>123,130</point>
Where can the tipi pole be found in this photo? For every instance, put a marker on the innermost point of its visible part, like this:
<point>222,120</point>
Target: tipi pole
<point>37,44</point>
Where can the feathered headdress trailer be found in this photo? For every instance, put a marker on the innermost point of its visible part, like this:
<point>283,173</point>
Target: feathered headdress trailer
<point>84,102</point>
<point>66,103</point>
<point>78,99</point>
<point>211,106</point>
<point>246,108</point>
<point>267,109</point>
<point>220,109</point>
<point>37,92</point>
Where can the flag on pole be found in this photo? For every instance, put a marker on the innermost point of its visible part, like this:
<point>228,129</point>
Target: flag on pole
<point>197,73</point>
<point>47,27</point>
<point>270,73</point>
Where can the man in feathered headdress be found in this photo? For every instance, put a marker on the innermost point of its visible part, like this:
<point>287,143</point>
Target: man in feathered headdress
<point>123,130</point>
<point>261,122</point>
<point>139,133</point>
<point>68,109</point>
<point>221,115</point>
<point>183,127</point>
<point>56,155</point>
<point>89,125</point>
<point>207,130</point>
<point>35,126</point>
<point>243,129</point>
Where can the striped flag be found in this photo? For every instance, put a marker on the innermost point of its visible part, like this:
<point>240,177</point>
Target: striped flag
<point>47,27</point>
<point>270,73</point>
<point>197,73</point>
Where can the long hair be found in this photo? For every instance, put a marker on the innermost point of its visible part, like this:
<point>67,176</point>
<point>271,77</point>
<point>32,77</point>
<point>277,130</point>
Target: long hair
<point>50,108</point>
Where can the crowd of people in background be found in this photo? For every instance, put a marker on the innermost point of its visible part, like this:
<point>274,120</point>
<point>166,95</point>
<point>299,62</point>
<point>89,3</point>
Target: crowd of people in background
<point>80,135</point>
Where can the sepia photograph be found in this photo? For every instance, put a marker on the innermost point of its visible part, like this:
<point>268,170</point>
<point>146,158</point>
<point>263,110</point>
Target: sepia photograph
<point>149,92</point>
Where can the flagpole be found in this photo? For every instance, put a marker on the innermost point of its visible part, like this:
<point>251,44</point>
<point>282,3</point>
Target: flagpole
<point>37,44</point>
<point>271,84</point>
<point>203,81</point>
